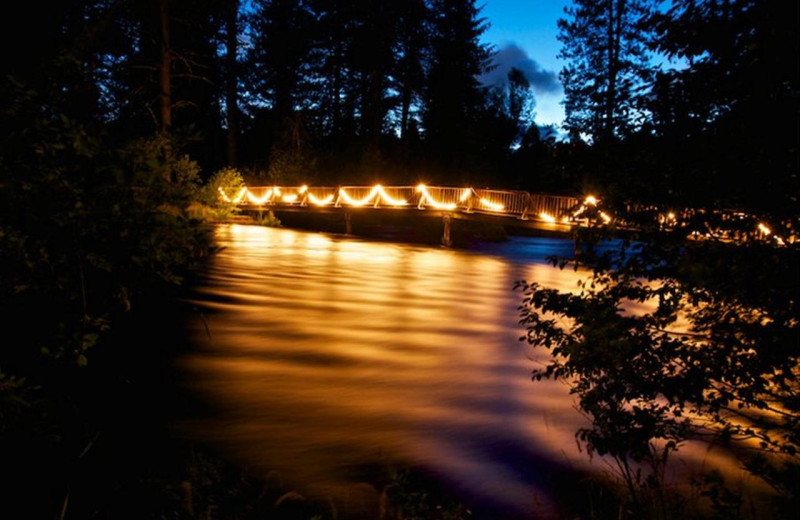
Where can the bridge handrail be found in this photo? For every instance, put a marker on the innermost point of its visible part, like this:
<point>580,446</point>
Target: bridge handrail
<point>554,209</point>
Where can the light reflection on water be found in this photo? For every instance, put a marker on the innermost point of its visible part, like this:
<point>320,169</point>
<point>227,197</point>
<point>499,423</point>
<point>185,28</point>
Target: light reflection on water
<point>328,354</point>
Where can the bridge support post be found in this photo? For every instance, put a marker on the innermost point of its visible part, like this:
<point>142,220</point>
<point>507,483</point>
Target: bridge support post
<point>447,220</point>
<point>348,225</point>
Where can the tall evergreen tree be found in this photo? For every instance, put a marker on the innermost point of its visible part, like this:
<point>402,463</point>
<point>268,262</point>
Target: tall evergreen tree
<point>605,45</point>
<point>232,81</point>
<point>411,47</point>
<point>454,98</point>
<point>727,122</point>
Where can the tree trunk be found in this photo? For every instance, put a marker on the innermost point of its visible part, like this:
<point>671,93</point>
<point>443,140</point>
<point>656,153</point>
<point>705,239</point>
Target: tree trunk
<point>231,84</point>
<point>166,94</point>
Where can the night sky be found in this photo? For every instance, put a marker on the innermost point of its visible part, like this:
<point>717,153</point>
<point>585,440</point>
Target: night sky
<point>524,35</point>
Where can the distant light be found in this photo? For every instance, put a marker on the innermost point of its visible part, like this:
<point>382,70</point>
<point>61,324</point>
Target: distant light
<point>303,189</point>
<point>764,229</point>
<point>290,198</point>
<point>591,200</point>
<point>671,215</point>
<point>605,217</point>
<point>547,218</point>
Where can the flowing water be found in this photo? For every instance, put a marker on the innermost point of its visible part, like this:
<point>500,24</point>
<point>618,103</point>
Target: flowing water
<point>329,355</point>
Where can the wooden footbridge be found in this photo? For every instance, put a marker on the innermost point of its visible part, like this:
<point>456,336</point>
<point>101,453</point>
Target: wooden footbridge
<point>550,213</point>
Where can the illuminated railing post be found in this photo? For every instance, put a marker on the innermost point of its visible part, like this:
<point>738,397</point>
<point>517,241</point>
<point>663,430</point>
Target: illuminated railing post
<point>524,215</point>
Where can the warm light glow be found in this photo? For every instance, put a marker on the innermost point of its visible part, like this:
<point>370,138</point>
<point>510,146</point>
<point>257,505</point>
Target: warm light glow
<point>432,203</point>
<point>491,206</point>
<point>468,199</point>
<point>388,198</point>
<point>236,198</point>
<point>358,202</point>
<point>259,200</point>
<point>376,191</point>
<point>320,202</point>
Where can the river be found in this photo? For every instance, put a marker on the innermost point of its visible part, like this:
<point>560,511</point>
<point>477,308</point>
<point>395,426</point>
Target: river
<point>326,355</point>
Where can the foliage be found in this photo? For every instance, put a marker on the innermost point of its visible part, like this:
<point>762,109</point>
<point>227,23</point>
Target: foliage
<point>228,181</point>
<point>668,341</point>
<point>737,78</point>
<point>86,227</point>
<point>90,228</point>
<point>267,219</point>
<point>605,46</point>
<point>416,498</point>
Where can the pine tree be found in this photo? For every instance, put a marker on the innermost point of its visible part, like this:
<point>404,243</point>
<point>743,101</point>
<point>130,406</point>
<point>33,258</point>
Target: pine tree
<point>454,98</point>
<point>730,116</point>
<point>605,45</point>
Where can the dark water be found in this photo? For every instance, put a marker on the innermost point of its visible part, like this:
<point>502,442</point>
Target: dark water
<point>329,355</point>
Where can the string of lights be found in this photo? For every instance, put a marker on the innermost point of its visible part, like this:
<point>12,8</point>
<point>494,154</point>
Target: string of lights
<point>455,199</point>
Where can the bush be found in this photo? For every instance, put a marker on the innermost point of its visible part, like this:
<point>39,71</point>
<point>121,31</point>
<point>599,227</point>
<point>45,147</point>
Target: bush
<point>227,181</point>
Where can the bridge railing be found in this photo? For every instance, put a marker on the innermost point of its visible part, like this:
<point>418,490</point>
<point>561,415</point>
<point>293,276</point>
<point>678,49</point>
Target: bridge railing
<point>518,204</point>
<point>555,207</point>
<point>505,202</point>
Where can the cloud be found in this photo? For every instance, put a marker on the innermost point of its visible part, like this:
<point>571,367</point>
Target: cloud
<point>542,81</point>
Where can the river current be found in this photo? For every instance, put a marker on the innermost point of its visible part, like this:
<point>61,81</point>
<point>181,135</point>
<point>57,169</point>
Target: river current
<point>322,356</point>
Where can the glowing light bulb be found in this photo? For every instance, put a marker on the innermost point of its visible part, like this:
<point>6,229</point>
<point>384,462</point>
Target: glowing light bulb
<point>222,194</point>
<point>435,204</point>
<point>236,198</point>
<point>358,202</point>
<point>388,198</point>
<point>671,215</point>
<point>320,202</point>
<point>259,200</point>
<point>491,206</point>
